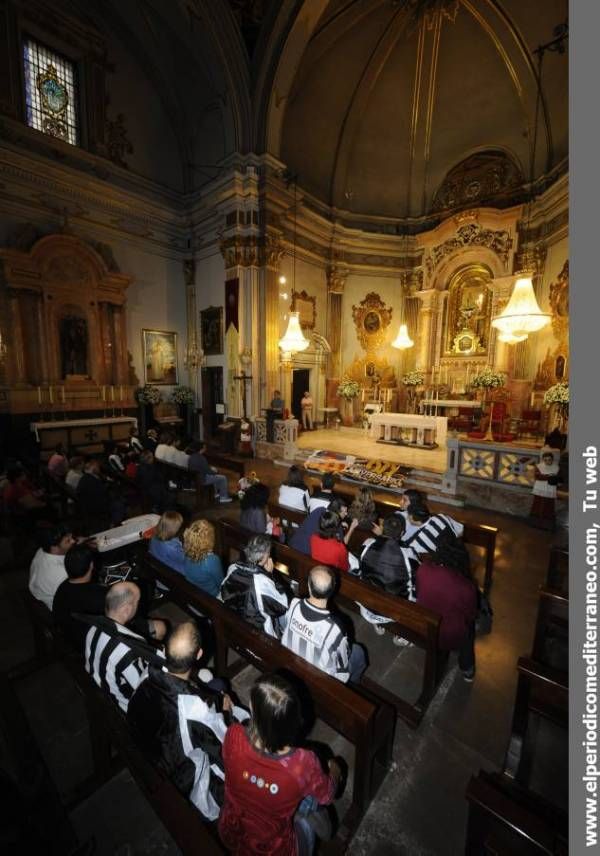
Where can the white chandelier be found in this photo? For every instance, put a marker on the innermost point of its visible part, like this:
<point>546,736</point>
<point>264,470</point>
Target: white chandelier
<point>402,340</point>
<point>509,339</point>
<point>294,339</point>
<point>522,314</point>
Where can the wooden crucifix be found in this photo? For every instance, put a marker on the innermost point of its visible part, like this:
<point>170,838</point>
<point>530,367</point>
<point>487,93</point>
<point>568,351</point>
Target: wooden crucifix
<point>243,378</point>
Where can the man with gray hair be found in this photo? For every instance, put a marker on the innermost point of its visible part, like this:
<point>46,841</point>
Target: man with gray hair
<point>251,590</point>
<point>115,656</point>
<point>313,632</point>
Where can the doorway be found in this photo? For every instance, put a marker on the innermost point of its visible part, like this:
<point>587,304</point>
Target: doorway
<point>212,395</point>
<point>300,383</point>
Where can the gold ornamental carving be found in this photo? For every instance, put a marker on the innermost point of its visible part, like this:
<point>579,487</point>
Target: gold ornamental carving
<point>251,251</point>
<point>559,304</point>
<point>470,235</point>
<point>371,318</point>
<point>371,371</point>
<point>336,279</point>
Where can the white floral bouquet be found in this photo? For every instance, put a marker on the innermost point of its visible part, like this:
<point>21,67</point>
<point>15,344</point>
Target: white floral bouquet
<point>182,395</point>
<point>557,394</point>
<point>413,379</point>
<point>487,379</point>
<point>148,394</point>
<point>348,389</point>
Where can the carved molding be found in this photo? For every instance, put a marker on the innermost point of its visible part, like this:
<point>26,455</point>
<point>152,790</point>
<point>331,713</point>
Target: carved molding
<point>480,178</point>
<point>251,251</point>
<point>471,235</point>
<point>336,279</point>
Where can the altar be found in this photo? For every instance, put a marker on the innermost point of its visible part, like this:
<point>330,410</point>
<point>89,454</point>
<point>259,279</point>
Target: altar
<point>426,431</point>
<point>433,404</point>
<point>85,436</point>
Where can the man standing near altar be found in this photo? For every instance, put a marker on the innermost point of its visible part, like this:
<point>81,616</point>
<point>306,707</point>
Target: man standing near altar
<point>306,405</point>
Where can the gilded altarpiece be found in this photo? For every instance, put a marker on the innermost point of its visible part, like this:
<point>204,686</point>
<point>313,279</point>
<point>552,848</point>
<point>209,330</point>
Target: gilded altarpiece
<point>371,319</point>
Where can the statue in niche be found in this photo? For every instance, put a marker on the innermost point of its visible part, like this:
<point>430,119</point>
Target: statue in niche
<point>74,345</point>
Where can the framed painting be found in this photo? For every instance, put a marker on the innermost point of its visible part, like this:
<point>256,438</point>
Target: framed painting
<point>211,330</point>
<point>159,348</point>
<point>305,304</point>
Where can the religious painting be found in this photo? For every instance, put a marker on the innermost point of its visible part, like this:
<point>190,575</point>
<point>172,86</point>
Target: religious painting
<point>160,357</point>
<point>306,306</point>
<point>73,334</point>
<point>211,330</point>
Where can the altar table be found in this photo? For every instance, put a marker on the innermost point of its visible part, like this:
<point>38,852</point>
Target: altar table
<point>86,436</point>
<point>426,430</point>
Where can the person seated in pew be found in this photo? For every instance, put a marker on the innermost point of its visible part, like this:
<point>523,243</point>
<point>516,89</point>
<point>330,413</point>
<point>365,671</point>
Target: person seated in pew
<point>164,443</point>
<point>165,544</point>
<point>78,594</point>
<point>254,515</point>
<point>47,570</point>
<point>95,501</point>
<point>445,585</point>
<point>58,463</point>
<point>180,722</point>
<point>313,632</point>
<point>75,472</point>
<point>198,464</point>
<point>151,483</point>
<point>22,498</point>
<point>293,492</point>
<point>150,441</point>
<point>300,538</point>
<point>273,788</point>
<point>131,465</point>
<point>363,509</point>
<point>201,565</point>
<point>117,656</point>
<point>115,461</point>
<point>326,546</point>
<point>250,589</point>
<point>323,495</point>
<point>134,442</point>
<point>425,528</point>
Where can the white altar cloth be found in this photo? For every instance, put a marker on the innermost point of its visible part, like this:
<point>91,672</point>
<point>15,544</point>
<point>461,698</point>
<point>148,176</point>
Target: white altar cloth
<point>387,421</point>
<point>449,402</point>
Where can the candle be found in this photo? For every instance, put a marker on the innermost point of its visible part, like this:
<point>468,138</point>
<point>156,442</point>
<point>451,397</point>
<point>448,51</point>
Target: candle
<point>112,393</point>
<point>51,395</point>
<point>39,395</point>
<point>63,395</point>
<point>121,393</point>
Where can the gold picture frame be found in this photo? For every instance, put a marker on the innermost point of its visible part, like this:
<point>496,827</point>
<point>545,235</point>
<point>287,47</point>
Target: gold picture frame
<point>159,351</point>
<point>306,305</point>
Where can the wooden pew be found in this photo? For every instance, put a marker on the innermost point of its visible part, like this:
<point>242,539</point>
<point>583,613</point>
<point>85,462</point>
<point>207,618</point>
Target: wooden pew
<point>358,714</point>
<point>204,494</point>
<point>552,624</point>
<point>542,692</point>
<point>557,575</point>
<point>226,462</point>
<point>507,821</point>
<point>413,622</point>
<point>108,727</point>
<point>475,534</point>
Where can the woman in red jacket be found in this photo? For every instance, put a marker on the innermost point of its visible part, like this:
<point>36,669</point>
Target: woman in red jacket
<point>273,789</point>
<point>445,585</point>
<point>326,545</point>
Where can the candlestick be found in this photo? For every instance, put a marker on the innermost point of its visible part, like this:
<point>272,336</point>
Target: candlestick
<point>39,395</point>
<point>51,395</point>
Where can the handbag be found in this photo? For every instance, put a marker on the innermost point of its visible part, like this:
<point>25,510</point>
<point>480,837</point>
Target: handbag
<point>485,614</point>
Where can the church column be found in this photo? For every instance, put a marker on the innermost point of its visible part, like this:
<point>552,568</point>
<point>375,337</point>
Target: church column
<point>192,348</point>
<point>18,373</point>
<point>120,354</point>
<point>42,348</point>
<point>106,362</point>
<point>271,254</point>
<point>426,332</point>
<point>499,351</point>
<point>336,281</point>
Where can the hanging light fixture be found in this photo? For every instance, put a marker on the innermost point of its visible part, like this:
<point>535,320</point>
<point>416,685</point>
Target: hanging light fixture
<point>294,339</point>
<point>510,339</point>
<point>522,314</point>
<point>402,340</point>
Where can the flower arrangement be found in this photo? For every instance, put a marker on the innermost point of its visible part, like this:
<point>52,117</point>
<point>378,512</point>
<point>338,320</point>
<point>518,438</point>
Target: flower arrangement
<point>413,379</point>
<point>182,395</point>
<point>148,394</point>
<point>557,394</point>
<point>487,379</point>
<point>348,389</point>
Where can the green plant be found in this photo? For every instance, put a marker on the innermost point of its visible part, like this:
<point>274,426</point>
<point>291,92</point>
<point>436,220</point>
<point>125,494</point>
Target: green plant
<point>348,389</point>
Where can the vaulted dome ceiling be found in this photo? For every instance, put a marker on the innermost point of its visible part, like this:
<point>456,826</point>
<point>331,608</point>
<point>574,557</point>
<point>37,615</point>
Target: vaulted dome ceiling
<point>411,106</point>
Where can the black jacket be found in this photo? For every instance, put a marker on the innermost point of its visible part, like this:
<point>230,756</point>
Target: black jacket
<point>179,725</point>
<point>256,596</point>
<point>389,566</point>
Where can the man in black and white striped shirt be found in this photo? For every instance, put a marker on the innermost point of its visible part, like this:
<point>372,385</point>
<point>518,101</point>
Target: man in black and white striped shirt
<point>317,635</point>
<point>115,656</point>
<point>422,528</point>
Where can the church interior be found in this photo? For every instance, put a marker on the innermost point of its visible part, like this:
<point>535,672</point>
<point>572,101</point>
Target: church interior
<point>323,234</point>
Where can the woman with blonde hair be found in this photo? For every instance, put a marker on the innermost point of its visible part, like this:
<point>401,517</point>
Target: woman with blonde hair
<point>363,508</point>
<point>201,565</point>
<point>166,544</point>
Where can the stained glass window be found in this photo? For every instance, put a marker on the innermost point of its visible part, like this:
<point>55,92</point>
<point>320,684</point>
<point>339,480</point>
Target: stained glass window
<point>50,92</point>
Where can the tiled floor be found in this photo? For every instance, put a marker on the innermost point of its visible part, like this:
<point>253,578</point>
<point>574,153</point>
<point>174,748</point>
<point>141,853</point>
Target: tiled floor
<point>420,809</point>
